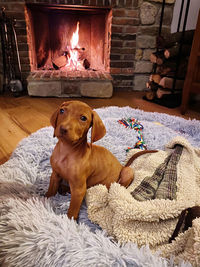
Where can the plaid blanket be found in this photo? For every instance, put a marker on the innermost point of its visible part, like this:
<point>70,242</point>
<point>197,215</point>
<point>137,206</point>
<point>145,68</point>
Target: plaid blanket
<point>162,184</point>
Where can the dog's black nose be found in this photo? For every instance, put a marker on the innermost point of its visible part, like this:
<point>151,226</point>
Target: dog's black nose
<point>63,131</point>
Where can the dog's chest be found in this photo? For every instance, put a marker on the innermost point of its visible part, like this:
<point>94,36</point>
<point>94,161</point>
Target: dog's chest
<point>61,165</point>
<point>64,165</point>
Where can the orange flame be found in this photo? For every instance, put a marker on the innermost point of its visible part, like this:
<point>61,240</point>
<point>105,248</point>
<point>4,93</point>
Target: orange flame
<point>75,37</point>
<point>73,60</point>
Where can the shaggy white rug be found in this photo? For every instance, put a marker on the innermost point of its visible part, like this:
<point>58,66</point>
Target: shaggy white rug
<point>35,231</point>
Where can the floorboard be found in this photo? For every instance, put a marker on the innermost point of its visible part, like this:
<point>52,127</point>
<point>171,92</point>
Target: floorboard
<point>21,116</point>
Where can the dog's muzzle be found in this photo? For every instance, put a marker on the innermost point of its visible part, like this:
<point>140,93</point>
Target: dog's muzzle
<point>63,130</point>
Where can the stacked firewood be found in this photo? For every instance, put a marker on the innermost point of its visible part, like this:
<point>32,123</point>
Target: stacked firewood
<point>166,78</point>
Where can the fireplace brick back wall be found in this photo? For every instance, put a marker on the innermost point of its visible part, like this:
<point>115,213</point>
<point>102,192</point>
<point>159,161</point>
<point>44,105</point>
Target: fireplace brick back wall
<point>135,25</point>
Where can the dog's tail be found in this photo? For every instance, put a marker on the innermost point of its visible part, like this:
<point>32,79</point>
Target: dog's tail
<point>126,175</point>
<point>138,154</point>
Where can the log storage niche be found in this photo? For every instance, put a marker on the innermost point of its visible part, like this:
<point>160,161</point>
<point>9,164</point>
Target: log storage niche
<point>170,62</point>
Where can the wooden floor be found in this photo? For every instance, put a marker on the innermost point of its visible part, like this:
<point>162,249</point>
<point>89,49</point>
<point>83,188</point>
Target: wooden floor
<point>21,116</point>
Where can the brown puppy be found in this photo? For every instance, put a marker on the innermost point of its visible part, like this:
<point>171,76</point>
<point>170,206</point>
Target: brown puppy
<point>79,163</point>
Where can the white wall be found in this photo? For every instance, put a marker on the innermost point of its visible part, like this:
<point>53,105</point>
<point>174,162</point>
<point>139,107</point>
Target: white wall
<point>192,15</point>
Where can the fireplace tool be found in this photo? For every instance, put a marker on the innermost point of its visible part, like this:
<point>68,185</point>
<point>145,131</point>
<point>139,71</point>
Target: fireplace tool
<point>10,53</point>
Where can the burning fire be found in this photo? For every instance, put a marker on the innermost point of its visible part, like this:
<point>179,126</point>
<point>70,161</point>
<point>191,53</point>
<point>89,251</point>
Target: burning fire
<point>73,57</point>
<point>75,37</point>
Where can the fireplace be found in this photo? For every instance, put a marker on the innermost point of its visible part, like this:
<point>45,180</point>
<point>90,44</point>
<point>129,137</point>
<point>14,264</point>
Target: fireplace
<point>70,43</point>
<point>52,29</point>
<point>116,38</point>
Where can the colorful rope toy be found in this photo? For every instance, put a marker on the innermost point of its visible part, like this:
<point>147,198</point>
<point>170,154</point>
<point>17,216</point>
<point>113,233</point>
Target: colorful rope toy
<point>137,126</point>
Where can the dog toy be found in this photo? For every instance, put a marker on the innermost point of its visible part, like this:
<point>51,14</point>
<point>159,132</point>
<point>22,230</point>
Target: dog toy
<point>138,127</point>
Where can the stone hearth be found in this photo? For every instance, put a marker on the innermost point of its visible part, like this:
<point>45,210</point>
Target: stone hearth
<point>70,84</point>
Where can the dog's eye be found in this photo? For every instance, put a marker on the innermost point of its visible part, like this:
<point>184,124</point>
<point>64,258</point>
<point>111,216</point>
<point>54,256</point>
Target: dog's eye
<point>62,111</point>
<point>83,118</point>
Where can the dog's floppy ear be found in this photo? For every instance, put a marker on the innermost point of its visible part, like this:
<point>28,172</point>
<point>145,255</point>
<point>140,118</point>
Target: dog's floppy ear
<point>98,128</point>
<point>53,120</point>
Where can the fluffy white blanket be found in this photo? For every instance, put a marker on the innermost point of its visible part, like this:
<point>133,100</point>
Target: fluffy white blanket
<point>152,222</point>
<point>35,231</point>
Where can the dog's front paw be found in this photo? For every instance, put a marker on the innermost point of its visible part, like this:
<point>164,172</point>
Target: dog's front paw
<point>47,194</point>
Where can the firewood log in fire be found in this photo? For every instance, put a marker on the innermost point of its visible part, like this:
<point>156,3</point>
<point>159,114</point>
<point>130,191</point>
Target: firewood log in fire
<point>62,61</point>
<point>59,62</point>
<point>86,64</point>
<point>79,49</point>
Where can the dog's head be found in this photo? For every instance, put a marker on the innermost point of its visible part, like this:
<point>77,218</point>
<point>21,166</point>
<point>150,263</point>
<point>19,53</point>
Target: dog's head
<point>72,120</point>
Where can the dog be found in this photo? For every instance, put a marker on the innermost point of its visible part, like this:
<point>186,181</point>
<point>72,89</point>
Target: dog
<point>76,161</point>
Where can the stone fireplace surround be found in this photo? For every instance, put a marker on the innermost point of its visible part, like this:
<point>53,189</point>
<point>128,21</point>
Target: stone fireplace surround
<point>134,28</point>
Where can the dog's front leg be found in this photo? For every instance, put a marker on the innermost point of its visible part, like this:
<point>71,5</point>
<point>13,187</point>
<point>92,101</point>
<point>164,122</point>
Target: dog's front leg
<point>77,196</point>
<point>53,185</point>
